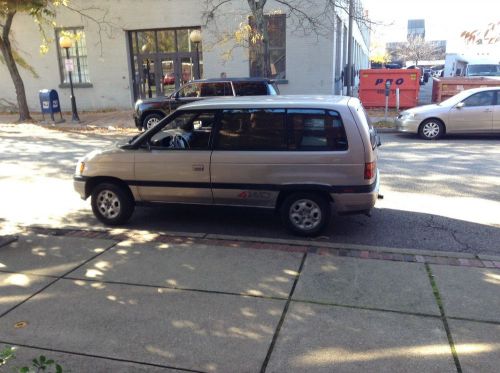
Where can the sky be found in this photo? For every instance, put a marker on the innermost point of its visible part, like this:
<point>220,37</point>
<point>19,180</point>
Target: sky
<point>444,19</point>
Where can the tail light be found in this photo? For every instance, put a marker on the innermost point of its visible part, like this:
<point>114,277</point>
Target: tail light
<point>370,170</point>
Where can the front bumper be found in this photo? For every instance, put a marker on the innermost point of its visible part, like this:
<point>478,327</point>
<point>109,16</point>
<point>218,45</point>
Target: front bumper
<point>137,121</point>
<point>407,125</point>
<point>79,186</point>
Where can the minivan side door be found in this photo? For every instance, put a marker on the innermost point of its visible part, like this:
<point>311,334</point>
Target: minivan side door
<point>248,143</point>
<point>173,164</point>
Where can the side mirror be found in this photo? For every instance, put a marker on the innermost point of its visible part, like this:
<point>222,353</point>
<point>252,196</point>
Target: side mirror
<point>460,105</point>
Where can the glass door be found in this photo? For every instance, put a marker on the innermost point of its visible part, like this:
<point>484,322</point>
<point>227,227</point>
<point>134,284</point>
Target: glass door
<point>187,69</point>
<point>169,75</point>
<point>148,77</point>
<point>162,60</point>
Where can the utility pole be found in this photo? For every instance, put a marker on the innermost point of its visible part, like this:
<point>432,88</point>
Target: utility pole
<point>349,50</point>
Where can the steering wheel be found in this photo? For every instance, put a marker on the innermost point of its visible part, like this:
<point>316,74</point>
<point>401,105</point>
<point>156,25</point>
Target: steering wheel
<point>180,142</point>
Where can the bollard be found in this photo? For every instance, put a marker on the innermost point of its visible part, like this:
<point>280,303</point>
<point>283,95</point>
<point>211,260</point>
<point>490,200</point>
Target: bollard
<point>397,100</point>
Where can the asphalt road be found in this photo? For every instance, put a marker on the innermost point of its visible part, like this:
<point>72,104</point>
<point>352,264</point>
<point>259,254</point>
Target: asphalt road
<point>442,195</point>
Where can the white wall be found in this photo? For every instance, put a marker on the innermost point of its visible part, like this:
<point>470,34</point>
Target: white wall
<point>309,60</point>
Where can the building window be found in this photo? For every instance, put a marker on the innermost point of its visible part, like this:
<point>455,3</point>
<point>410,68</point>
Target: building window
<point>77,53</point>
<point>163,60</point>
<point>276,28</point>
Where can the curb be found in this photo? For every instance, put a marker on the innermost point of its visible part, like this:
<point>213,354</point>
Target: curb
<point>386,130</point>
<point>5,240</point>
<point>314,247</point>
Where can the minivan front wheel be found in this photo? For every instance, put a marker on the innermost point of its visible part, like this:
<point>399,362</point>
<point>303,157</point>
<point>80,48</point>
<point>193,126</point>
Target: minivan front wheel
<point>305,214</point>
<point>111,204</point>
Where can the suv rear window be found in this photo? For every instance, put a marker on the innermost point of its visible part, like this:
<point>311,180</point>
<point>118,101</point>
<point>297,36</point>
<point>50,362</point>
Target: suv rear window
<point>250,88</point>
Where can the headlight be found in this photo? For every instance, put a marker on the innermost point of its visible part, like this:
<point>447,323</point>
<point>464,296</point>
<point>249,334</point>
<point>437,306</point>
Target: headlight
<point>406,115</point>
<point>80,167</point>
<point>137,103</point>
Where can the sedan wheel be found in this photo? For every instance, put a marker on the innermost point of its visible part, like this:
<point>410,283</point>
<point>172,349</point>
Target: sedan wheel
<point>431,130</point>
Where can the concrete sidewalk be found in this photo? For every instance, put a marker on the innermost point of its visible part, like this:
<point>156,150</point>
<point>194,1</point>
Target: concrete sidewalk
<point>120,301</point>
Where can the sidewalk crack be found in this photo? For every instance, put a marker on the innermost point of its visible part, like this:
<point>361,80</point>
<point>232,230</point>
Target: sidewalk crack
<point>439,302</point>
<point>282,318</point>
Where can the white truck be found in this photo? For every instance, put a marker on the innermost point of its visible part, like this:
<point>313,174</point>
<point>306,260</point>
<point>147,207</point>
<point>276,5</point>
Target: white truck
<point>471,65</point>
<point>483,69</point>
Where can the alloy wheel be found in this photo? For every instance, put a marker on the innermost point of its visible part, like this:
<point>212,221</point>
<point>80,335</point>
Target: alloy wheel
<point>305,214</point>
<point>108,204</point>
<point>431,130</point>
<point>152,122</point>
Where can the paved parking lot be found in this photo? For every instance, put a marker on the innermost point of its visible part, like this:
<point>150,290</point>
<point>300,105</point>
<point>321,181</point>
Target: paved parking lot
<point>440,195</point>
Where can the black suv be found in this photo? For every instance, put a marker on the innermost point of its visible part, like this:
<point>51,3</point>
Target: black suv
<point>148,112</point>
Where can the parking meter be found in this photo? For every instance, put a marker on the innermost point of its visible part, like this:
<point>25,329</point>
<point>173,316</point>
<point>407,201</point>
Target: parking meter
<point>387,92</point>
<point>387,88</point>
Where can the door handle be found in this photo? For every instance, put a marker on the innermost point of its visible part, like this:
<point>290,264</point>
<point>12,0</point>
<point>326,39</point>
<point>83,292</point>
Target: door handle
<point>198,167</point>
<point>488,111</point>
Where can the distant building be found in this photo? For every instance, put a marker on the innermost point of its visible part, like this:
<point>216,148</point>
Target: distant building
<point>440,47</point>
<point>416,28</point>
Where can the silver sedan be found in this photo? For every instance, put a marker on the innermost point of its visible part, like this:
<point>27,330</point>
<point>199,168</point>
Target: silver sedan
<point>471,111</point>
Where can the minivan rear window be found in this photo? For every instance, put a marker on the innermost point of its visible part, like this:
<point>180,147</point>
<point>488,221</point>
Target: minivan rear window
<point>313,129</point>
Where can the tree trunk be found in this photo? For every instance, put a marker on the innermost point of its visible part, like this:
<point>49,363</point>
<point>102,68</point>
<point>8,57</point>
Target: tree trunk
<point>6,48</point>
<point>262,61</point>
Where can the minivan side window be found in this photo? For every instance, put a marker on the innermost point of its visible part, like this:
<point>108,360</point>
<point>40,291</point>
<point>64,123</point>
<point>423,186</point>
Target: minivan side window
<point>252,129</point>
<point>316,130</point>
<point>187,131</point>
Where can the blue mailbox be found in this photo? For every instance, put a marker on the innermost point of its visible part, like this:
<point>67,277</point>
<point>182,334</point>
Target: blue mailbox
<point>49,102</point>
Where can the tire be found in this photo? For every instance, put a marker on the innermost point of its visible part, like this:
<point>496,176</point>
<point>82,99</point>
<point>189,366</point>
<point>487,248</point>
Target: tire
<point>431,129</point>
<point>305,214</point>
<point>112,204</point>
<point>151,120</point>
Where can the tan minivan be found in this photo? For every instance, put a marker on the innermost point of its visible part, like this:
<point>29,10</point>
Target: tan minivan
<point>300,155</point>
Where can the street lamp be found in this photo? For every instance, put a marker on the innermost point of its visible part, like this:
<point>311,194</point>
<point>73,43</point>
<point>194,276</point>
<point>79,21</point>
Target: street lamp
<point>195,37</point>
<point>66,43</point>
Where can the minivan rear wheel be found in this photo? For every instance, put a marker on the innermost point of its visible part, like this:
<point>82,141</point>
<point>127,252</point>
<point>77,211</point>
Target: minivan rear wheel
<point>305,214</point>
<point>111,204</point>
